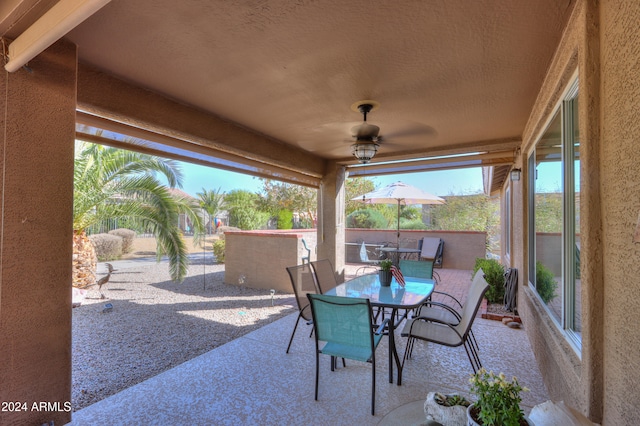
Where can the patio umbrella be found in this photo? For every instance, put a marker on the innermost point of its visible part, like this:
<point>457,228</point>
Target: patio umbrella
<point>399,193</point>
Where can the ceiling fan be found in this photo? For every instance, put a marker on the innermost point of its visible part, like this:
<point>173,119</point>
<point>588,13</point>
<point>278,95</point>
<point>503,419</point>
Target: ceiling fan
<point>366,135</point>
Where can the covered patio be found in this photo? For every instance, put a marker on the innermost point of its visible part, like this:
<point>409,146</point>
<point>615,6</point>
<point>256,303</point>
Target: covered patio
<point>273,89</point>
<point>251,380</point>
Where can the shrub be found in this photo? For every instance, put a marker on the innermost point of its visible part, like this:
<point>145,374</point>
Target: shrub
<point>367,218</point>
<point>108,247</point>
<point>546,284</point>
<point>494,274</point>
<point>127,236</point>
<point>285,219</point>
<point>218,250</point>
<point>412,224</point>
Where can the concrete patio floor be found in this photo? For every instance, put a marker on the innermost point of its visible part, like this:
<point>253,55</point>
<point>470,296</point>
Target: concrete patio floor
<point>251,380</point>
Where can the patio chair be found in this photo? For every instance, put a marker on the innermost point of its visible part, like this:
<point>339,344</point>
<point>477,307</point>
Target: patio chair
<point>433,249</point>
<point>303,282</point>
<point>325,275</point>
<point>343,329</point>
<point>448,312</point>
<point>308,256</point>
<point>444,333</point>
<point>410,243</point>
<point>364,258</point>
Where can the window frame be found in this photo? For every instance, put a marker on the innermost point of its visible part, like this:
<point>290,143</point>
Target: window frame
<point>565,108</point>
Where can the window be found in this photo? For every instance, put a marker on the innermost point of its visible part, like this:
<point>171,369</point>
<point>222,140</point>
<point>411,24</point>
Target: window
<point>554,210</point>
<point>507,225</point>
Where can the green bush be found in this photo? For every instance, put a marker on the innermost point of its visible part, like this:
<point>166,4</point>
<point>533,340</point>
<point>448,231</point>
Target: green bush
<point>494,274</point>
<point>127,236</point>
<point>108,247</point>
<point>546,284</point>
<point>367,218</point>
<point>412,224</point>
<point>218,250</point>
<point>285,219</point>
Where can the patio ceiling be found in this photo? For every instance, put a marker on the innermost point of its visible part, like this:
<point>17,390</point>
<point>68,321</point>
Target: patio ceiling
<point>277,79</point>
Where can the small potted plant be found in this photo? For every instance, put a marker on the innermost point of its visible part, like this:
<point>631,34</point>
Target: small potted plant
<point>446,409</point>
<point>498,400</point>
<point>385,272</point>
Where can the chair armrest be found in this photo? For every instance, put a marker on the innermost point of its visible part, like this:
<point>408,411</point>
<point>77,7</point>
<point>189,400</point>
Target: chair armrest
<point>443,306</point>
<point>448,295</point>
<point>381,327</point>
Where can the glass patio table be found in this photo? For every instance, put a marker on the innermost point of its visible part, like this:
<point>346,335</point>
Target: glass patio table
<point>395,297</point>
<point>396,252</point>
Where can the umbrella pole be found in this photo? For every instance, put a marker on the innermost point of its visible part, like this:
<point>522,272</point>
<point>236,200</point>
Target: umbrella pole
<point>398,234</point>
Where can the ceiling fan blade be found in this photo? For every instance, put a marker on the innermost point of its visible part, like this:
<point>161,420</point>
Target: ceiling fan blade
<point>416,129</point>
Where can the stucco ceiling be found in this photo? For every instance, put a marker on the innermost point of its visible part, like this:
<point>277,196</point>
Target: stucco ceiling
<point>446,73</point>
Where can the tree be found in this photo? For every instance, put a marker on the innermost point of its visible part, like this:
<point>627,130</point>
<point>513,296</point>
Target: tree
<point>465,213</point>
<point>244,211</point>
<point>278,196</point>
<point>211,201</point>
<point>355,187</point>
<point>112,183</point>
<point>366,218</point>
<point>468,213</point>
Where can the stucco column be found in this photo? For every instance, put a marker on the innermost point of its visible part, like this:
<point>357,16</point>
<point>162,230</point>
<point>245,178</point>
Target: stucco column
<point>331,217</point>
<point>37,129</point>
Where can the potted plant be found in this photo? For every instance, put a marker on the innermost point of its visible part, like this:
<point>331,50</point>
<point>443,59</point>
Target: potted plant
<point>385,272</point>
<point>498,400</point>
<point>446,409</point>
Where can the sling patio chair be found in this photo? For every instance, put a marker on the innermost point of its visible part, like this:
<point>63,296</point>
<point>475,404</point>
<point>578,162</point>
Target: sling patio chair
<point>306,258</point>
<point>343,329</point>
<point>364,258</point>
<point>444,333</point>
<point>447,309</point>
<point>303,282</point>
<point>424,269</point>
<point>433,249</point>
<point>325,275</point>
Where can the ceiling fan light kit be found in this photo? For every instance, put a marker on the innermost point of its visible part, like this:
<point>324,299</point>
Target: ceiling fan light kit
<point>364,152</point>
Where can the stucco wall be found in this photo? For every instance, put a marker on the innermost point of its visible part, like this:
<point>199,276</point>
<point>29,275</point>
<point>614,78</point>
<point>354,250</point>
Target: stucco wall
<point>620,167</point>
<point>460,248</point>
<point>562,368</point>
<point>601,41</point>
<point>259,259</point>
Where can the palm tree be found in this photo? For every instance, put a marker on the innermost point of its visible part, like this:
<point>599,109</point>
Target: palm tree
<point>112,183</point>
<point>211,201</point>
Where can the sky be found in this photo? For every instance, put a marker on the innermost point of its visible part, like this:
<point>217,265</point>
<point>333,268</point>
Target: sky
<point>448,182</point>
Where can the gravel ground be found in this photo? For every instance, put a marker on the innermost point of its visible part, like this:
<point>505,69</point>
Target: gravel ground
<point>155,324</point>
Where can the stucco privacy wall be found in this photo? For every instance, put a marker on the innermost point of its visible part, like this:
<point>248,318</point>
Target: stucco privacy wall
<point>35,262</point>
<point>259,259</point>
<point>460,248</point>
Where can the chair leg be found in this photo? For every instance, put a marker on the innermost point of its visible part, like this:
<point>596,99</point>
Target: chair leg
<point>317,372</point>
<point>474,359</point>
<point>294,332</point>
<point>474,342</point>
<point>373,385</point>
<point>407,351</point>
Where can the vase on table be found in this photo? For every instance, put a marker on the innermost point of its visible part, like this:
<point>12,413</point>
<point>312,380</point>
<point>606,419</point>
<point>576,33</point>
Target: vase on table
<point>385,278</point>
